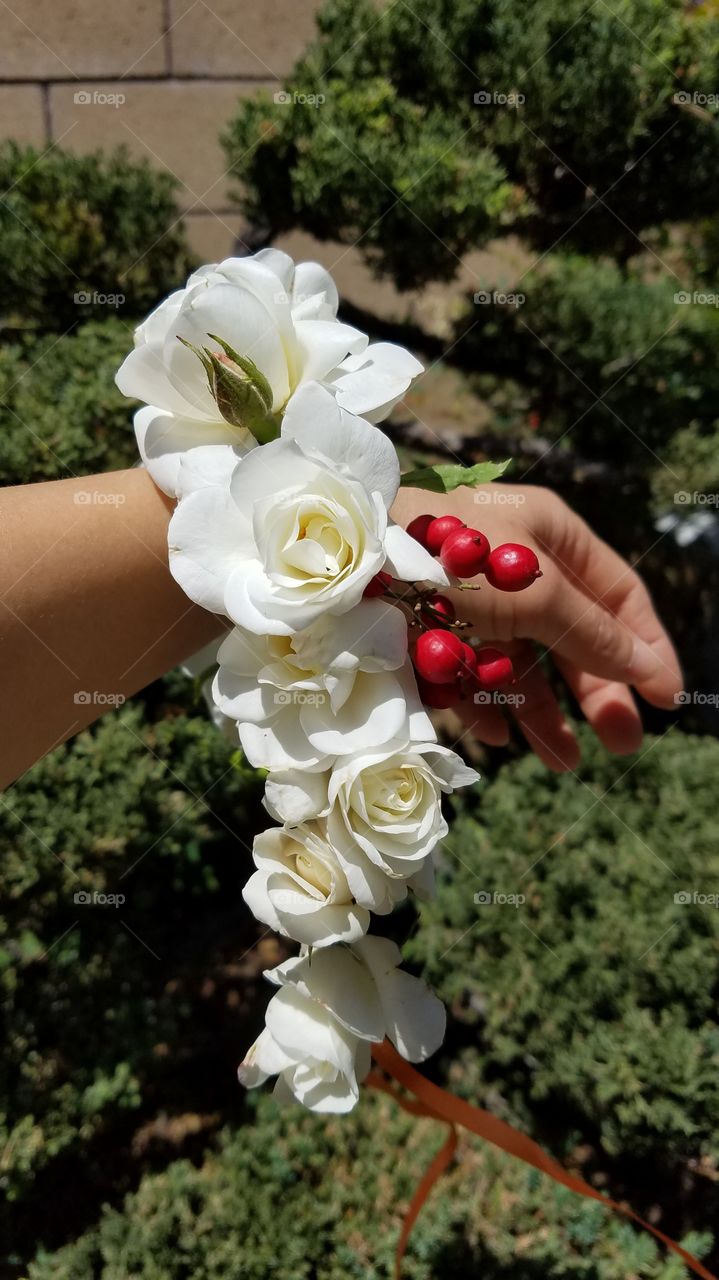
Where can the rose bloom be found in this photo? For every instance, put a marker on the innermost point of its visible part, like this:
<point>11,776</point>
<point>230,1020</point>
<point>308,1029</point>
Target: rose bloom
<point>383,815</point>
<point>344,684</point>
<point>300,890</point>
<point>331,1006</point>
<point>298,527</point>
<point>280,316</point>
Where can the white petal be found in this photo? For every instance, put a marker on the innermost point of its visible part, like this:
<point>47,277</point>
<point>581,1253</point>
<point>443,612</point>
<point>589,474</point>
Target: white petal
<point>264,1058</point>
<point>314,420</point>
<point>205,537</point>
<point>293,797</point>
<point>322,344</point>
<point>409,561</point>
<point>376,379</point>
<point>345,987</point>
<point>144,375</point>
<point>374,713</point>
<point>415,1018</point>
<point>279,263</point>
<point>312,279</point>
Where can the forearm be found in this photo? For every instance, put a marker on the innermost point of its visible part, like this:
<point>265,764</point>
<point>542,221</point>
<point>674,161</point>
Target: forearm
<point>87,606</point>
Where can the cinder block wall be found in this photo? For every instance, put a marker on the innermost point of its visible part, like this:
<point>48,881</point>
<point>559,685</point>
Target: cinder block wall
<point>160,76</point>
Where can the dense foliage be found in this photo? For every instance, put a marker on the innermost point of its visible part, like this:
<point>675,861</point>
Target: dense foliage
<point>82,235</point>
<point>60,411</point>
<point>586,1014</point>
<point>294,1196</point>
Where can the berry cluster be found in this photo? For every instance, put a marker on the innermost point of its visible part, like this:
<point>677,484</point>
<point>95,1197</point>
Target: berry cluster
<point>447,667</point>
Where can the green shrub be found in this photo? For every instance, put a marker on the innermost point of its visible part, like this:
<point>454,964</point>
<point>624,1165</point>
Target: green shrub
<point>157,812</point>
<point>296,1196</point>
<point>596,996</point>
<point>402,159</point>
<point>73,225</point>
<point>612,363</point>
<point>60,411</point>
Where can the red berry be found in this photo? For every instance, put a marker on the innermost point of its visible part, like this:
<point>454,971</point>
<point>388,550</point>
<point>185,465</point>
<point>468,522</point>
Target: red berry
<point>442,606</point>
<point>465,552</point>
<point>494,668</point>
<point>438,656</point>
<point>418,527</point>
<point>440,529</point>
<point>512,567</point>
<point>469,661</point>
<point>439,696</point>
<point>376,586</point>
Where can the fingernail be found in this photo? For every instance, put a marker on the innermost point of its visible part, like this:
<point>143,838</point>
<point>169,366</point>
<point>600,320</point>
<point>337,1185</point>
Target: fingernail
<point>644,662</point>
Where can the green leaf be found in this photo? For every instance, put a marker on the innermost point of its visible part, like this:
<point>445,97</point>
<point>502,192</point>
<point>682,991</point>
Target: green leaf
<point>444,477</point>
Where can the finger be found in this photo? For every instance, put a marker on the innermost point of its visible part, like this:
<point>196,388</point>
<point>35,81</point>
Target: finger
<point>609,708</point>
<point>585,633</point>
<point>602,574</point>
<point>539,715</point>
<point>486,723</point>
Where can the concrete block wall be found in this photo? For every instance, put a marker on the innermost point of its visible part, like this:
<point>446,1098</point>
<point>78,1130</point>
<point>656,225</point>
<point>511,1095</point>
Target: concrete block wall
<point>160,76</point>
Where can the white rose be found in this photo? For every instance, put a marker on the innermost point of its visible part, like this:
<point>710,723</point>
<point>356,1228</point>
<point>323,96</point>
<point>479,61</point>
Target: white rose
<point>300,890</point>
<point>281,317</point>
<point>316,1061</point>
<point>342,685</point>
<point>299,528</point>
<point>368,994</point>
<point>328,1011</point>
<point>383,815</point>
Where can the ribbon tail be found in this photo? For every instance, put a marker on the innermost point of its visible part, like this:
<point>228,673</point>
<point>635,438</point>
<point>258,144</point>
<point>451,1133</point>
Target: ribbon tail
<point>437,1102</point>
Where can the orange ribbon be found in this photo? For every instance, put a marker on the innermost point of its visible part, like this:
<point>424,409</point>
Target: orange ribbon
<point>441,1105</point>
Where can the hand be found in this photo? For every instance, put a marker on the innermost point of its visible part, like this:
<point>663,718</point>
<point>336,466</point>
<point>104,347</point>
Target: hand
<point>590,608</point>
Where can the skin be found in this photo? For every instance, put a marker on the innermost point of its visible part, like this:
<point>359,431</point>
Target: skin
<point>589,608</point>
<point>87,604</point>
